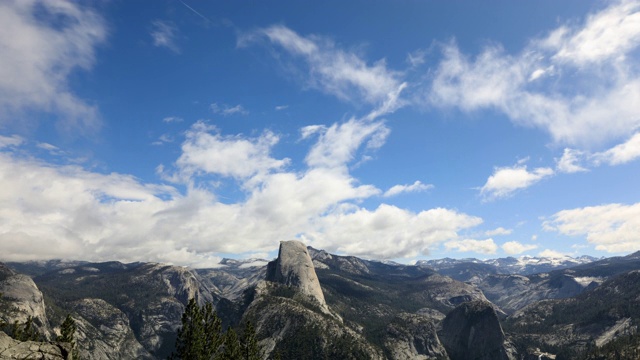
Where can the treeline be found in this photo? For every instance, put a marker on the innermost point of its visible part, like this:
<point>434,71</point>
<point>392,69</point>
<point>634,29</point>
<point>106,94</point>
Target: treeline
<point>201,337</point>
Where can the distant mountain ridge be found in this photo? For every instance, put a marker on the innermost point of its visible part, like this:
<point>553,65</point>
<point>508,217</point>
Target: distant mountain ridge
<point>523,265</point>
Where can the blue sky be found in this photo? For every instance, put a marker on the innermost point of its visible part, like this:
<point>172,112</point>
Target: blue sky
<point>186,131</point>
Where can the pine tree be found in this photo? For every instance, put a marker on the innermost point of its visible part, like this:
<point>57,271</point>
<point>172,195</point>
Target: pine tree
<point>232,348</point>
<point>67,334</point>
<point>190,341</point>
<point>67,330</point>
<point>250,343</point>
<point>29,333</point>
<point>212,332</point>
<point>16,331</point>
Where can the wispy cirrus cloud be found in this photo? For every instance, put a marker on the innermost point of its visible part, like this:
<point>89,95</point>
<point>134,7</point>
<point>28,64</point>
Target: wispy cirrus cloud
<point>571,161</point>
<point>11,141</point>
<point>337,144</point>
<point>498,231</point>
<point>399,189</point>
<point>619,154</point>
<point>333,70</point>
<point>227,110</point>
<point>38,56</point>
<point>164,34</point>
<point>172,119</point>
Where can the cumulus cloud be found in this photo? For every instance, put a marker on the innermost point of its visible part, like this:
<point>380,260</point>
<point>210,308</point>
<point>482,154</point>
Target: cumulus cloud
<point>39,55</point>
<point>399,189</point>
<point>611,228</point>
<point>514,247</point>
<point>164,34</point>
<point>390,232</point>
<point>205,151</point>
<point>69,212</point>
<point>498,231</point>
<point>548,253</point>
<point>597,103</point>
<point>487,246</point>
<point>507,180</point>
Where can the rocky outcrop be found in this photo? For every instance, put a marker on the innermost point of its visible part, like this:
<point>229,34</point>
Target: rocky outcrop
<point>299,330</point>
<point>294,268</point>
<point>21,298</point>
<point>103,332</point>
<point>413,336</point>
<point>472,332</point>
<point>124,311</point>
<point>14,349</point>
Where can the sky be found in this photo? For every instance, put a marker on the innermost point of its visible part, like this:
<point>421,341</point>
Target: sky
<point>188,131</point>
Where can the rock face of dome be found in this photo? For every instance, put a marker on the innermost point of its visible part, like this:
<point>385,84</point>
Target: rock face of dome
<point>294,268</point>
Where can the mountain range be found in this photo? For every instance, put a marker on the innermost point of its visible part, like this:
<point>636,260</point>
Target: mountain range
<point>311,304</point>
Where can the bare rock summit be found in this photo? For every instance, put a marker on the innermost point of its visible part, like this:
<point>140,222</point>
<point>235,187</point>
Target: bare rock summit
<point>294,268</point>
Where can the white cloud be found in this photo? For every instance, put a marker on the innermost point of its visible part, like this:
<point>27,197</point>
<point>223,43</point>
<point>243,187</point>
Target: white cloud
<point>207,152</point>
<point>507,180</point>
<point>68,212</point>
<point>399,189</point>
<point>579,83</point>
<point>612,227</point>
<point>164,35</point>
<point>548,253</point>
<point>416,58</point>
<point>388,231</point>
<point>335,71</point>
<point>570,161</point>
<point>337,144</point>
<point>514,247</point>
<point>38,56</point>
<point>487,246</point>
<point>172,119</point>
<point>281,107</point>
<point>163,139</point>
<point>51,149</point>
<point>621,153</point>
<point>498,231</point>
<point>606,35</point>
<point>227,110</point>
<point>11,141</point>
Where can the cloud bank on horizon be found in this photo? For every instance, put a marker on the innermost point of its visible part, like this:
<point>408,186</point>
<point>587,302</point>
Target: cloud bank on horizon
<point>217,193</point>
